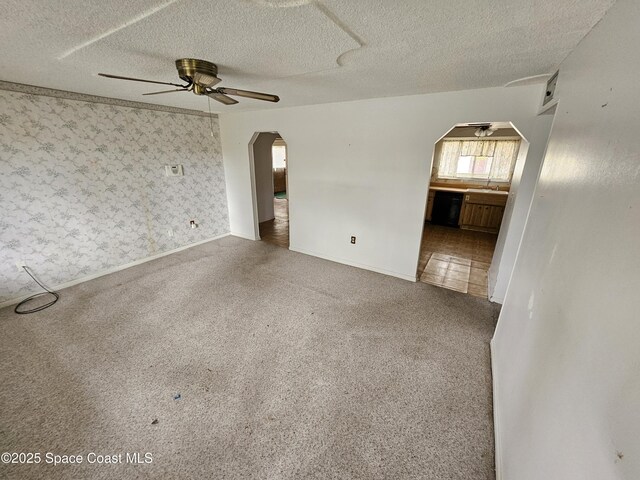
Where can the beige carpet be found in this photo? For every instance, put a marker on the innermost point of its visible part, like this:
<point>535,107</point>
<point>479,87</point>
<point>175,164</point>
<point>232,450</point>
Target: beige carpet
<point>286,367</point>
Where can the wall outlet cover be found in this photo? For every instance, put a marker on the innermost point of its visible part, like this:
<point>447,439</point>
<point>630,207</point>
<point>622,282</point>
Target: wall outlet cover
<point>173,170</point>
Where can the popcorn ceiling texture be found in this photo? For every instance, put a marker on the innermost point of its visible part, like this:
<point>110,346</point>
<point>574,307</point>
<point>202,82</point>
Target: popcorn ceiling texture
<point>308,52</point>
<point>82,187</point>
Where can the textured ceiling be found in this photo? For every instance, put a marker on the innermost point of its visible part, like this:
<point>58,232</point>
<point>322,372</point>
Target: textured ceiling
<point>306,51</point>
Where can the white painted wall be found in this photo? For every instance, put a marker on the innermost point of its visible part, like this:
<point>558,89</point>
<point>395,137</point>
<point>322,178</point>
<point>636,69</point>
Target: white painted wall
<point>525,177</point>
<point>264,175</point>
<point>362,168</point>
<point>566,352</point>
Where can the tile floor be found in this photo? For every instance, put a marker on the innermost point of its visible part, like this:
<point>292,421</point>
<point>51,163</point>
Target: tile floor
<point>276,231</point>
<point>456,259</point>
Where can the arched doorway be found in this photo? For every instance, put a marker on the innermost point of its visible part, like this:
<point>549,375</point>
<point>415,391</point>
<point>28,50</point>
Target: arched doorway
<point>270,188</point>
<point>472,170</point>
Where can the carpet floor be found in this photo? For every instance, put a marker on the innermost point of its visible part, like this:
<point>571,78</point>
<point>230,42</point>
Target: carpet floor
<point>241,360</point>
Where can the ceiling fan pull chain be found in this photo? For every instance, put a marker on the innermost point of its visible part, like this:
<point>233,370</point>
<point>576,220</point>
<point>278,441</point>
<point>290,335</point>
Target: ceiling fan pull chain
<point>210,117</point>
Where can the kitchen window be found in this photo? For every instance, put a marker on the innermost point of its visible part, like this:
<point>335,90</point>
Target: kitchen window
<point>484,160</point>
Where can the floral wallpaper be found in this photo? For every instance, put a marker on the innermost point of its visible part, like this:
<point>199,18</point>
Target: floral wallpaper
<point>83,186</point>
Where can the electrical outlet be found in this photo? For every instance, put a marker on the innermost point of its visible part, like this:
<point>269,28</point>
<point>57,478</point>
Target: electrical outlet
<point>173,170</point>
<point>353,239</point>
<point>20,264</point>
<point>170,232</point>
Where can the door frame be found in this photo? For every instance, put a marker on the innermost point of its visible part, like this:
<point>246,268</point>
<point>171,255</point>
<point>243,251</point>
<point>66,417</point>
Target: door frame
<point>254,189</point>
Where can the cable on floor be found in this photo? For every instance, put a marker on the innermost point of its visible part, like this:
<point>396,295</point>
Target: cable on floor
<point>37,295</point>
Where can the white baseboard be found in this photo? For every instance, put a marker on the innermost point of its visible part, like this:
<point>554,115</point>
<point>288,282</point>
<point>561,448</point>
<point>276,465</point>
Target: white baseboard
<point>242,235</point>
<point>102,273</point>
<point>496,415</point>
<point>411,278</point>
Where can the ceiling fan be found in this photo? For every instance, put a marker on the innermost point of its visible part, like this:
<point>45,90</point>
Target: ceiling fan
<point>483,129</point>
<point>201,76</point>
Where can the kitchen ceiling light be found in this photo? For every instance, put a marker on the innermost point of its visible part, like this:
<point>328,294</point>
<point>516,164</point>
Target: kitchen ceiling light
<point>484,131</point>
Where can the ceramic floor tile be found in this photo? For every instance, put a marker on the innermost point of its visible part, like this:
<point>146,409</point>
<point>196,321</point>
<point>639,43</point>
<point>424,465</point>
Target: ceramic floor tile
<point>477,276</point>
<point>432,279</point>
<point>467,255</point>
<point>457,275</point>
<point>457,285</point>
<point>480,265</point>
<point>433,264</point>
<point>276,231</point>
<point>456,267</point>
<point>441,257</point>
<point>436,265</point>
<point>436,270</point>
<point>477,290</point>
<point>461,261</point>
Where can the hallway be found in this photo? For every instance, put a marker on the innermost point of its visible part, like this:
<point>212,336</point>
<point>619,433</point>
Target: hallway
<point>276,231</point>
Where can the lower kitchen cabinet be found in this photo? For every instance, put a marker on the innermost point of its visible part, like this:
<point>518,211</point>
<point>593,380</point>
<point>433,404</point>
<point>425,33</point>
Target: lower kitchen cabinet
<point>483,213</point>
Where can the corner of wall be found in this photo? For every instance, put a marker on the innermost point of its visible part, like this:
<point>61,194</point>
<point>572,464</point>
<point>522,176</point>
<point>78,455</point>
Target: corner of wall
<point>497,423</point>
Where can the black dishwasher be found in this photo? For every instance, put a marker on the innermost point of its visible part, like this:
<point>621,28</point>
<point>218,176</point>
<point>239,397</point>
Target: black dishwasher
<point>446,208</point>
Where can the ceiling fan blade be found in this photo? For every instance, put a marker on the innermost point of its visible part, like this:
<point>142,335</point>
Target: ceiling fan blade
<point>220,97</point>
<point>205,80</point>
<point>118,77</point>
<point>246,93</point>
<point>167,91</point>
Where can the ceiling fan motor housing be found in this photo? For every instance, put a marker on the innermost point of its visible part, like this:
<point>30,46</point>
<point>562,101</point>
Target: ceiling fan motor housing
<point>188,67</point>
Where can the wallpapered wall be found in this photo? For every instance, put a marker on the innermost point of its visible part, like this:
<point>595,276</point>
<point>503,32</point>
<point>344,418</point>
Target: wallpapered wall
<point>83,189</point>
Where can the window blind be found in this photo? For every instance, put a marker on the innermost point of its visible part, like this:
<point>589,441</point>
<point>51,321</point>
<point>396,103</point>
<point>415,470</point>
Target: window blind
<point>488,160</point>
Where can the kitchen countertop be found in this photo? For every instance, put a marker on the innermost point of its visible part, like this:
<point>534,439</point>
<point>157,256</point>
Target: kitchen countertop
<point>469,190</point>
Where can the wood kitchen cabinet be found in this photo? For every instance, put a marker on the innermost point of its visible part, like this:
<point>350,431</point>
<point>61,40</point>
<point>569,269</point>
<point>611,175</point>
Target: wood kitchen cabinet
<point>430,199</point>
<point>482,211</point>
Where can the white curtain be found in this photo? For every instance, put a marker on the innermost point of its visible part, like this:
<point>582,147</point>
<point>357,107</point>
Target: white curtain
<point>502,152</point>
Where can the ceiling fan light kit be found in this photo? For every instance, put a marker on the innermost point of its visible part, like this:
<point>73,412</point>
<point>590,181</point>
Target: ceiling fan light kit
<point>201,76</point>
<point>484,131</point>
